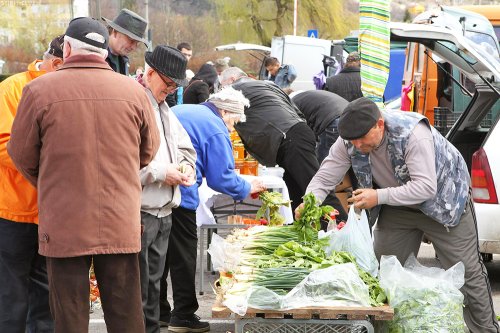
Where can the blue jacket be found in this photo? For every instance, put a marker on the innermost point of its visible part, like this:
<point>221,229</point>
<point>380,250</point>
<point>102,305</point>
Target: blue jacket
<point>285,76</point>
<point>215,161</point>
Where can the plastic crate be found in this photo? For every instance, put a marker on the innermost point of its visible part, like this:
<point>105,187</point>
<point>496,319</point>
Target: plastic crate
<point>267,325</point>
<point>444,119</point>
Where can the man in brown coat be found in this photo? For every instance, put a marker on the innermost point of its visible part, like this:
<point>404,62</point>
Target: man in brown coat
<point>81,135</point>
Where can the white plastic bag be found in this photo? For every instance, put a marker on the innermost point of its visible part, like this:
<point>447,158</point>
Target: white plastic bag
<point>425,299</point>
<point>356,239</point>
<point>225,255</point>
<point>337,285</point>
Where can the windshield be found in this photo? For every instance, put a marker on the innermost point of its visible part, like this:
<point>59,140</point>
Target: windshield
<point>485,41</point>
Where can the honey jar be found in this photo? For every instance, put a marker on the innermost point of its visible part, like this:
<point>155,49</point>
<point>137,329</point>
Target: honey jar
<point>251,167</point>
<point>238,151</point>
<point>239,164</point>
<point>234,136</point>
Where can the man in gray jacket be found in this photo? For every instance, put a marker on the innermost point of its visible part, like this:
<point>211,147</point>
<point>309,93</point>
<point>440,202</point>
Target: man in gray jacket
<point>417,183</point>
<point>173,165</point>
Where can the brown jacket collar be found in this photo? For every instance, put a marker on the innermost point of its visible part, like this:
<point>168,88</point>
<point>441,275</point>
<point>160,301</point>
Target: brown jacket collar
<point>85,61</point>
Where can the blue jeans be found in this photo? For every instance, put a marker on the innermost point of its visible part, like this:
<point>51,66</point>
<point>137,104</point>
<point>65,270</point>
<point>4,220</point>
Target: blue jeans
<point>327,139</point>
<point>24,291</point>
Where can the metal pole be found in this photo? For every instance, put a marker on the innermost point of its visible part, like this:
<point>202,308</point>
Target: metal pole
<point>295,17</point>
<point>148,29</point>
<point>98,4</point>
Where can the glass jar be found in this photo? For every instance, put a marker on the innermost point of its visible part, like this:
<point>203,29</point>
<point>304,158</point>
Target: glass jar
<point>238,151</point>
<point>239,165</point>
<point>251,167</point>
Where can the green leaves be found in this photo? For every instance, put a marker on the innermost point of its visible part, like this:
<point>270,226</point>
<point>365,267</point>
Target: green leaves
<point>271,202</point>
<point>309,223</point>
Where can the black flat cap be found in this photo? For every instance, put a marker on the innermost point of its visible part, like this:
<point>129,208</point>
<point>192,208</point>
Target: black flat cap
<point>358,118</point>
<point>88,30</point>
<point>168,61</point>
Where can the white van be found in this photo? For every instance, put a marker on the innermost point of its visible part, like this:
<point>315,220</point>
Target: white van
<point>304,53</point>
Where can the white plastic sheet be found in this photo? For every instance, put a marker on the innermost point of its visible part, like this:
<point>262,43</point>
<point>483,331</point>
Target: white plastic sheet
<point>338,285</point>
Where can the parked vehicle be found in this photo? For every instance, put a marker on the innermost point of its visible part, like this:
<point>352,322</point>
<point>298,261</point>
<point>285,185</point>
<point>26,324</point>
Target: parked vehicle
<point>432,82</point>
<point>491,12</point>
<point>308,56</point>
<point>476,133</point>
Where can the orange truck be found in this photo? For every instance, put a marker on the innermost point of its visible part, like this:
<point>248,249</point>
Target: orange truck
<point>433,87</point>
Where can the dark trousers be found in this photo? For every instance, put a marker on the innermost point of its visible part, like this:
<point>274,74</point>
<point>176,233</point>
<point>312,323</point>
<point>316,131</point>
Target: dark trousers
<point>399,232</point>
<point>154,245</point>
<point>24,290</point>
<point>297,157</point>
<point>118,279</point>
<point>326,139</point>
<point>181,261</point>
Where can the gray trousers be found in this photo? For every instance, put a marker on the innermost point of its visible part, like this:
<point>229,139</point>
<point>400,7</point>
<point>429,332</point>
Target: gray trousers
<point>399,232</point>
<point>154,246</point>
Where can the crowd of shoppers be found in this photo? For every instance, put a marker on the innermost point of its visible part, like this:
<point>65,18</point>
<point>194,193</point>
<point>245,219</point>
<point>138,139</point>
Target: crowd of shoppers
<point>99,171</point>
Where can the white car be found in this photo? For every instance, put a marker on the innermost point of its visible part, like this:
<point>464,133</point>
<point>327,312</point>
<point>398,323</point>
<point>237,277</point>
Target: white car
<point>476,134</point>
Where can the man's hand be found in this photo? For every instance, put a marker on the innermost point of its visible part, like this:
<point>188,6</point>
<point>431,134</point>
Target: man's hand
<point>257,186</point>
<point>298,210</point>
<point>364,198</point>
<point>175,177</point>
<point>188,171</point>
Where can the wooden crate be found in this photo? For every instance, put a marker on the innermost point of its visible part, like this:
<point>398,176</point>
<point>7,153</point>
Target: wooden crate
<point>340,312</point>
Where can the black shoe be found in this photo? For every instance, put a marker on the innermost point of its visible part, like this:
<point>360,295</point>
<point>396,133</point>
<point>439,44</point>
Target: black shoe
<point>192,324</point>
<point>164,320</point>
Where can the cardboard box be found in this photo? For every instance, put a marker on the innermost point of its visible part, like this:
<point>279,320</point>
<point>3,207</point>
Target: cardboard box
<point>346,183</point>
<point>343,199</point>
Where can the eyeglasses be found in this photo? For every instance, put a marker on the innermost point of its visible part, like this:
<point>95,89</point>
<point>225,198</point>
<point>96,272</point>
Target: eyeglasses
<point>171,86</point>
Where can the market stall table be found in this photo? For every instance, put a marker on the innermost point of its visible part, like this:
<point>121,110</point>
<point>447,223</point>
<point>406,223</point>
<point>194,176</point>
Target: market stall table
<point>215,206</point>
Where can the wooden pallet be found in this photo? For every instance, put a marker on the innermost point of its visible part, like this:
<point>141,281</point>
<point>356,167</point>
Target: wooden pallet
<point>339,312</point>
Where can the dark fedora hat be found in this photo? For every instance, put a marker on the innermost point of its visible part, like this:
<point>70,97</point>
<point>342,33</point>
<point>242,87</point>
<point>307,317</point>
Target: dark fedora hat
<point>168,61</point>
<point>129,23</point>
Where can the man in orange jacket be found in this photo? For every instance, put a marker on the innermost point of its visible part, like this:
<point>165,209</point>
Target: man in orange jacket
<point>24,303</point>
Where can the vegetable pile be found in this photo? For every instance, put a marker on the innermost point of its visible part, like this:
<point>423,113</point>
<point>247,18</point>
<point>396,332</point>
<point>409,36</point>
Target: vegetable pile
<point>427,311</point>
<point>275,258</point>
<point>271,203</point>
<point>425,299</point>
<point>309,223</point>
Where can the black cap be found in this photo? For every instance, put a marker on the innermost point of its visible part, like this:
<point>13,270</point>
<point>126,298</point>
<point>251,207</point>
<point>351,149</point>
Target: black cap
<point>168,61</point>
<point>358,118</point>
<point>56,46</point>
<point>79,28</point>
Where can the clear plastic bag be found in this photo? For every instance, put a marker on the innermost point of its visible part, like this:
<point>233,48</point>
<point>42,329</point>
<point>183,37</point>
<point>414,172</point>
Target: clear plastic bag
<point>338,285</point>
<point>355,238</point>
<point>225,256</point>
<point>425,299</point>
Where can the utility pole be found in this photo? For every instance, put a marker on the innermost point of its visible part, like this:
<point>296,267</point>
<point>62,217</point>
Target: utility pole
<point>148,29</point>
<point>295,17</point>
